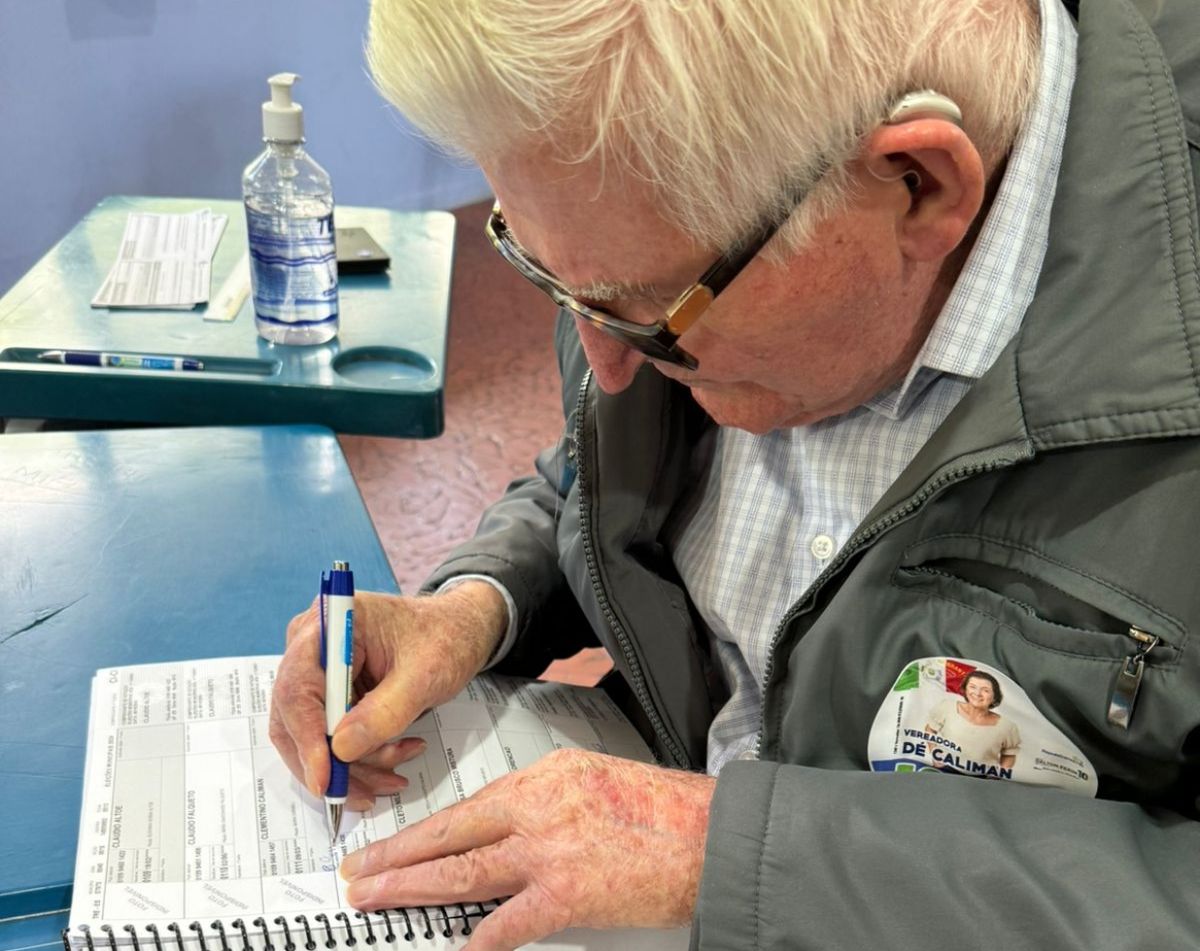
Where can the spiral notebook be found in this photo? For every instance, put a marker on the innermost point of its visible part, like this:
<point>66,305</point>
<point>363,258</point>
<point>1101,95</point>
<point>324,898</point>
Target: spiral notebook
<point>195,837</point>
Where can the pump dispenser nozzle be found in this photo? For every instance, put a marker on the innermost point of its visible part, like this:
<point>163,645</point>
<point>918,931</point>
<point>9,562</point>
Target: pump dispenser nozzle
<point>283,120</point>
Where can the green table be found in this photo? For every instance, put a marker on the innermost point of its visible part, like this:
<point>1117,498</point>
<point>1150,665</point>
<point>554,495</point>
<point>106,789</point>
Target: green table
<point>384,374</point>
<point>139,546</point>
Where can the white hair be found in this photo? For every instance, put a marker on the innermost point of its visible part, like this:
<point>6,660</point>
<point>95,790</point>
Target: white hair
<point>721,106</point>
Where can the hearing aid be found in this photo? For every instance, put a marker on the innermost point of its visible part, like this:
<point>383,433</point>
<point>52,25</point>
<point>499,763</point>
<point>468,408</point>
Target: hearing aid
<point>924,104</point>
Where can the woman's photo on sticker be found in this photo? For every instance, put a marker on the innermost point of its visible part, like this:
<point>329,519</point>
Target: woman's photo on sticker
<point>980,735</point>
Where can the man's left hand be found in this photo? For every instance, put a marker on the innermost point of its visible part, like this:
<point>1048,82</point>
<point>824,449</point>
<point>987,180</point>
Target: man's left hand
<point>578,839</point>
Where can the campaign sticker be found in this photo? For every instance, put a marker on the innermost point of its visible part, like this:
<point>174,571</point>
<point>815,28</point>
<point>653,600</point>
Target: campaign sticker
<point>961,716</point>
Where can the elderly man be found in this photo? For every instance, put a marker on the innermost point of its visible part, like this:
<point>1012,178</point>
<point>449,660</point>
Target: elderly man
<point>931,409</point>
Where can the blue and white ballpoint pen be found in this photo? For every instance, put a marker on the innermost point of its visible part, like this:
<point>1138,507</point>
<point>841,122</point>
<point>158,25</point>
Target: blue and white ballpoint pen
<point>337,657</point>
<point>122,361</point>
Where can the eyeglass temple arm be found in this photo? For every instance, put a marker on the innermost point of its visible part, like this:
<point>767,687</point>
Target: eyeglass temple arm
<point>697,298</point>
<point>718,277</point>
<point>925,103</point>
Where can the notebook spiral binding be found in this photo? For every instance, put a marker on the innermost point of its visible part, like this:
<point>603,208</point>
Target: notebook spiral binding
<point>360,931</point>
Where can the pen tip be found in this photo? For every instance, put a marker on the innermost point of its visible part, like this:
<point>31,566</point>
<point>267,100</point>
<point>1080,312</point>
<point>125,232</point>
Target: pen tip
<point>335,821</point>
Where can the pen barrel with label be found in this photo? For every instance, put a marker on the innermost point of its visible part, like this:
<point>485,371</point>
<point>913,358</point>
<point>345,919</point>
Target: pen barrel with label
<point>337,655</point>
<point>121,361</point>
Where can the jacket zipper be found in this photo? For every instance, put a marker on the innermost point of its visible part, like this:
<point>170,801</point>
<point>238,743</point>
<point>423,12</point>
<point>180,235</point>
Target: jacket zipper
<point>1129,678</point>
<point>857,542</point>
<point>575,453</point>
<point>1124,693</point>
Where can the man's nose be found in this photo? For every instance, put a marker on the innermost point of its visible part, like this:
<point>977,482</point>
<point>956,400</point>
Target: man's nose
<point>613,364</point>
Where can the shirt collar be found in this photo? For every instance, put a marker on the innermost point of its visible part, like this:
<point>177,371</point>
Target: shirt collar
<point>997,282</point>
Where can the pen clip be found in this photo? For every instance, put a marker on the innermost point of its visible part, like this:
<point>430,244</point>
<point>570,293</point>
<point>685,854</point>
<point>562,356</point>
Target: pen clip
<point>323,611</point>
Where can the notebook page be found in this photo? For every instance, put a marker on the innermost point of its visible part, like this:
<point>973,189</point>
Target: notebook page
<point>189,814</point>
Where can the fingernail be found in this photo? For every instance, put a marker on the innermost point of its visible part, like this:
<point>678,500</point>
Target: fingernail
<point>360,805</point>
<point>408,749</point>
<point>351,741</point>
<point>389,783</point>
<point>350,865</point>
<point>358,893</point>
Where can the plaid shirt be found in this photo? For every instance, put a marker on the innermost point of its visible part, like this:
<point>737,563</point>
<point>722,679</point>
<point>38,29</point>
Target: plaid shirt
<point>775,508</point>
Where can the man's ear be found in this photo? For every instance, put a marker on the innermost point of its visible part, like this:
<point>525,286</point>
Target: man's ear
<point>933,174</point>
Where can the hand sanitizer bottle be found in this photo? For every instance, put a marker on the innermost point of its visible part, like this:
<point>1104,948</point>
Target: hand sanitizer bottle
<point>289,223</point>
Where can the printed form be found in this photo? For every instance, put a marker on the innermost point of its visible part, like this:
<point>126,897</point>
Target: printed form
<point>164,261</point>
<point>190,814</point>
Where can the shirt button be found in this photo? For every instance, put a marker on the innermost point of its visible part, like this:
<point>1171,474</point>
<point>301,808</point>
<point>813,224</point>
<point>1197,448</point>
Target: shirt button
<point>822,547</point>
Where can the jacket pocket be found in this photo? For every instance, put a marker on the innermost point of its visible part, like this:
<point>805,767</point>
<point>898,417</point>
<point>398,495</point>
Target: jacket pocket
<point>1047,602</point>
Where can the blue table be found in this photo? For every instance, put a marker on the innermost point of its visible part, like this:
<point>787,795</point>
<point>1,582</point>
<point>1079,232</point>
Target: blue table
<point>138,546</point>
<point>384,374</point>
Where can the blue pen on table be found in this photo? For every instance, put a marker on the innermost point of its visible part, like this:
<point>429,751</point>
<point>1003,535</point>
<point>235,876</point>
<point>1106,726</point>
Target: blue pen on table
<point>124,361</point>
<point>337,657</point>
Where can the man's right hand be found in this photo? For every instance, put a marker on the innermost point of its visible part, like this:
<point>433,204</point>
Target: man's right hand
<point>410,654</point>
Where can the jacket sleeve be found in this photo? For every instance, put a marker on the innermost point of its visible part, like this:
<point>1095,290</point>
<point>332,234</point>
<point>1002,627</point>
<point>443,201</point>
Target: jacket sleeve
<point>516,542</point>
<point>801,858</point>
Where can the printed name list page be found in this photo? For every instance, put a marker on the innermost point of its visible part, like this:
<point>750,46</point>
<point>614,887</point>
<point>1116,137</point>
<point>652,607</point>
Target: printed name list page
<point>190,814</point>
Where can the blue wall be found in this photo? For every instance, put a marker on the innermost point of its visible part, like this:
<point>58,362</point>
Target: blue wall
<point>161,97</point>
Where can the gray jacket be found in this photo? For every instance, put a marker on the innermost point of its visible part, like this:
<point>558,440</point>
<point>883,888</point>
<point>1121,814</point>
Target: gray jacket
<point>1056,506</point>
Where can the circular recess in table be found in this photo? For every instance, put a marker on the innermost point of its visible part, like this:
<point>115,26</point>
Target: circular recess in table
<point>382,366</point>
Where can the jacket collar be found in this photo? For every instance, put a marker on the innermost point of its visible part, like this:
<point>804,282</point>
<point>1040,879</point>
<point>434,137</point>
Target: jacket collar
<point>1108,349</point>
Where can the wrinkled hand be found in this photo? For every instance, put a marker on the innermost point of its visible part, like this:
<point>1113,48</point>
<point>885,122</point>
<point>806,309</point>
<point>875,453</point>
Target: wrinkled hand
<point>409,655</point>
<point>578,839</point>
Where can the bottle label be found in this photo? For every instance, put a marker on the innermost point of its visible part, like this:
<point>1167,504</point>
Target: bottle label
<point>293,266</point>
